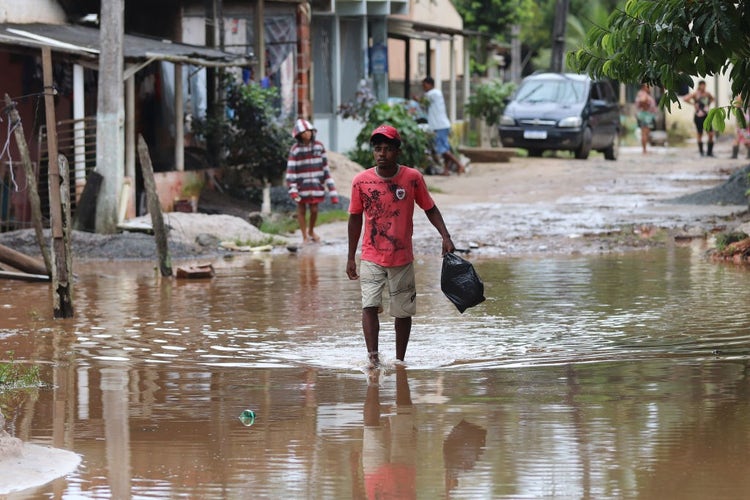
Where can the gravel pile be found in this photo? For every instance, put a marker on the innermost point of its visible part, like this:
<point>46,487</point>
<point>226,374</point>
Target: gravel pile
<point>731,192</point>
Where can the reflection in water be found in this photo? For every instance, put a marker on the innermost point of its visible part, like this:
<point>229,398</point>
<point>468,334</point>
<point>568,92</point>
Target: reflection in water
<point>461,450</point>
<point>613,377</point>
<point>389,451</point>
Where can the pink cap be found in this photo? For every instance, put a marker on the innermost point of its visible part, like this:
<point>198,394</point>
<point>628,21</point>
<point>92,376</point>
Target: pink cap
<point>386,131</point>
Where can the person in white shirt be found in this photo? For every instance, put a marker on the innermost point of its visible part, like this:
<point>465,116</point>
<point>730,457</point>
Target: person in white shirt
<point>440,124</point>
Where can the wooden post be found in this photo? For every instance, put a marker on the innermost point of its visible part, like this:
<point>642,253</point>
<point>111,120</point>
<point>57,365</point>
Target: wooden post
<point>63,296</point>
<point>31,182</point>
<point>154,208</point>
<point>63,306</point>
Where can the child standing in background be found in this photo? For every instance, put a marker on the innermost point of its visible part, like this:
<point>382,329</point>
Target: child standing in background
<point>308,177</point>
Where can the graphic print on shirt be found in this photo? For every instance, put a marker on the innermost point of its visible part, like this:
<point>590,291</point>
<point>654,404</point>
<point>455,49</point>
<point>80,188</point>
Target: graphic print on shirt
<point>381,218</point>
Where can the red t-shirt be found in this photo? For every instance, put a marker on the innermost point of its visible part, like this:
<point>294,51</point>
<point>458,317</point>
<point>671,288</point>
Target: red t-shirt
<point>387,205</point>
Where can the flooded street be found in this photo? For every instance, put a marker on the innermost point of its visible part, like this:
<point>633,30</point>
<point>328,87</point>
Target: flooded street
<point>614,376</point>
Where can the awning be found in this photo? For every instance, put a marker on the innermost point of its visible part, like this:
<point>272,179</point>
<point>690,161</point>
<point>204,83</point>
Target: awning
<point>82,42</point>
<point>399,27</point>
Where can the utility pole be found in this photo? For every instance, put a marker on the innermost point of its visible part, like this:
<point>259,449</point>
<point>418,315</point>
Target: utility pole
<point>515,54</point>
<point>304,60</point>
<point>212,96</point>
<point>110,115</point>
<point>558,36</point>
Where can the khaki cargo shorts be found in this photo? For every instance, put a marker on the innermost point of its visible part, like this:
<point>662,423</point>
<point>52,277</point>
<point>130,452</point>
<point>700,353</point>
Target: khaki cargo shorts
<point>401,288</point>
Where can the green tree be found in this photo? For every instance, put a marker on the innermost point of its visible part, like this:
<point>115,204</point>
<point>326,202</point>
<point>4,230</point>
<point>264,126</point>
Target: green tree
<point>534,17</point>
<point>665,42</point>
<point>493,19</point>
<point>581,18</point>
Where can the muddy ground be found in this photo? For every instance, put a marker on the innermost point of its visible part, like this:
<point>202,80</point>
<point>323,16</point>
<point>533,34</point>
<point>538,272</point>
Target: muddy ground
<point>551,205</point>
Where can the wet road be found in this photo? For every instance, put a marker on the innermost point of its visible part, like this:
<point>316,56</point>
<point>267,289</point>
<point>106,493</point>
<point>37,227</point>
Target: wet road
<point>580,377</point>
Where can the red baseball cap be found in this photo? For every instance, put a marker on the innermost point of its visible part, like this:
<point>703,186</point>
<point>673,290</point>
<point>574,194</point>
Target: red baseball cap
<point>387,131</point>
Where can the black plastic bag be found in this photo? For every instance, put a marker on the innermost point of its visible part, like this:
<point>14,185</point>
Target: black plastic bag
<point>461,283</point>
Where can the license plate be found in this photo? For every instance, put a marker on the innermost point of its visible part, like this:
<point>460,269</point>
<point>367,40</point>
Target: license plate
<point>534,134</point>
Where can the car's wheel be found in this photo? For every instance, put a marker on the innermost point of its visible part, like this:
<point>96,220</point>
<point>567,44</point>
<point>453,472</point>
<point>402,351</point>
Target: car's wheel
<point>613,150</point>
<point>585,148</point>
<point>535,153</point>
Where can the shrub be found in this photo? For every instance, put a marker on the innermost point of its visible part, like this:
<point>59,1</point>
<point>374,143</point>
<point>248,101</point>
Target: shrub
<point>488,100</point>
<point>365,109</point>
<point>415,140</point>
<point>254,141</point>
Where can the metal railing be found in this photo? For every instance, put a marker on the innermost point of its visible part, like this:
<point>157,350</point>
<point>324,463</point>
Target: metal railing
<point>76,139</point>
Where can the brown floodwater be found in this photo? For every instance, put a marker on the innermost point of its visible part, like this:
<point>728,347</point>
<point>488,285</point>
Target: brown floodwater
<point>616,376</point>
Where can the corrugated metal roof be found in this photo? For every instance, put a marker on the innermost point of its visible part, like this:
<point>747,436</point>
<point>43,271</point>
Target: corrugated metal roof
<point>83,42</point>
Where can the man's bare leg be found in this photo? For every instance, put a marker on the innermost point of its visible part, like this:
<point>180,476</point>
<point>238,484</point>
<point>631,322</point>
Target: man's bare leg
<point>371,329</point>
<point>403,331</point>
<point>450,157</point>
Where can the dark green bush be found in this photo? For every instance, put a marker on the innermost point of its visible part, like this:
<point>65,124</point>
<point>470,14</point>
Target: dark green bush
<point>415,140</point>
<point>254,141</point>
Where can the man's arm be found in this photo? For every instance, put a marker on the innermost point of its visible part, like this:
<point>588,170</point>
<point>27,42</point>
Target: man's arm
<point>354,231</point>
<point>436,219</point>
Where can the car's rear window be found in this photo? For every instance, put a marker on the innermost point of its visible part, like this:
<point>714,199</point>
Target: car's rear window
<point>559,91</point>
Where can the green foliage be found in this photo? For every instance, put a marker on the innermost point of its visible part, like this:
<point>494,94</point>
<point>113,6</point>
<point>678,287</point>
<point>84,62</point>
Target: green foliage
<point>723,240</point>
<point>13,375</point>
<point>255,141</point>
<point>581,18</point>
<point>415,140</point>
<point>493,19</point>
<point>663,43</point>
<point>488,100</point>
<point>535,18</point>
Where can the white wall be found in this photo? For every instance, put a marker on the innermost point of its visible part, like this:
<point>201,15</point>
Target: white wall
<point>437,12</point>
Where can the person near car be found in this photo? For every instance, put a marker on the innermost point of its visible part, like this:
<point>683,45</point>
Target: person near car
<point>383,200</point>
<point>308,177</point>
<point>440,124</point>
<point>702,99</point>
<point>646,110</point>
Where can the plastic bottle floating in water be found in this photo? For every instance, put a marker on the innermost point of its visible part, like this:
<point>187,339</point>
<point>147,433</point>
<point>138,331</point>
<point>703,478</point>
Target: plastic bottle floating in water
<point>247,417</point>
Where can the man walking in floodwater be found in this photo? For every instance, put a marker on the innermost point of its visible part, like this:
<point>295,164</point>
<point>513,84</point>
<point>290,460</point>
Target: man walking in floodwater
<point>383,199</point>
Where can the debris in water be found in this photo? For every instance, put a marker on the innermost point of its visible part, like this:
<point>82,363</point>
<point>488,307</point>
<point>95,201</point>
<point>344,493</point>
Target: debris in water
<point>247,417</point>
